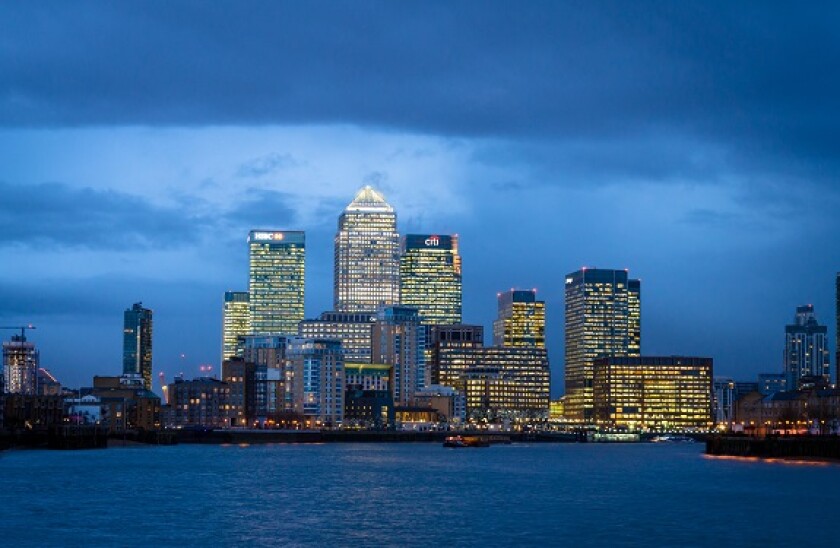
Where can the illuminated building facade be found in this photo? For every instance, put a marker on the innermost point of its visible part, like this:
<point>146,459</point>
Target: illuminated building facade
<point>353,329</point>
<point>236,321</point>
<point>430,277</point>
<point>452,352</point>
<point>276,282</point>
<point>367,255</point>
<point>266,400</point>
<point>508,383</point>
<point>603,319</point>
<point>315,380</point>
<point>137,343</point>
<point>20,366</point>
<point>399,339</point>
<point>239,376</point>
<point>652,393</point>
<point>521,320</point>
<point>806,349</point>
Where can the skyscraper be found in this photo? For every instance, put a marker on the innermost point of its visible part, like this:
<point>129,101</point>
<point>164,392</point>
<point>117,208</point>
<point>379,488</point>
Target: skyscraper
<point>806,348</point>
<point>603,319</point>
<point>236,321</point>
<point>353,329</point>
<point>20,366</point>
<point>521,319</point>
<point>367,258</point>
<point>137,343</point>
<point>276,283</point>
<point>430,277</point>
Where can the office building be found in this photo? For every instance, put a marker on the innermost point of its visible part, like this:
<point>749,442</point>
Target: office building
<point>367,255</point>
<point>353,329</point>
<point>603,319</point>
<point>137,343</point>
<point>20,366</point>
<point>653,393</point>
<point>452,352</point>
<point>806,349</point>
<point>430,277</point>
<point>276,281</point>
<point>236,321</point>
<point>399,339</point>
<point>315,381</point>
<point>521,319</point>
<point>508,383</point>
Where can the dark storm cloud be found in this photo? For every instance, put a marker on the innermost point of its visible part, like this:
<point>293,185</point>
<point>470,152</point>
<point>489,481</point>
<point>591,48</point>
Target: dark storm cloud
<point>759,75</point>
<point>55,213</point>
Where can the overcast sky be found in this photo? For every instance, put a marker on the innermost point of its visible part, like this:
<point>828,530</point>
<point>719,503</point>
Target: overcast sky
<point>695,143</point>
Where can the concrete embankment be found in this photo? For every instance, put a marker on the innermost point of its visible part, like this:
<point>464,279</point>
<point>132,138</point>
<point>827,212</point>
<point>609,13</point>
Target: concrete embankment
<point>776,447</point>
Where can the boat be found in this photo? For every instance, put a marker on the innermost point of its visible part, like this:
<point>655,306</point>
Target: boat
<point>672,439</point>
<point>466,441</point>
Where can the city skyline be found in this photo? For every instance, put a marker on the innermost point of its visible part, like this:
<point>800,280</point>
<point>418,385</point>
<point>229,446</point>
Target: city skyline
<point>696,147</point>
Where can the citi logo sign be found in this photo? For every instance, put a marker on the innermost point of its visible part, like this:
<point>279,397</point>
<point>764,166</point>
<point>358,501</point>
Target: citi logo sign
<point>432,241</point>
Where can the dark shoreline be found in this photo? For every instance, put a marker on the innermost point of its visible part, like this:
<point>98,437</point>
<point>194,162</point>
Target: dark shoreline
<point>793,448</point>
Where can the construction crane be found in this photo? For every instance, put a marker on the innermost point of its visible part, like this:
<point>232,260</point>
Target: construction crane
<point>22,328</point>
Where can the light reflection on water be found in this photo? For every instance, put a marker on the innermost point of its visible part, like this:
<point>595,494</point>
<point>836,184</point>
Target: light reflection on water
<point>407,495</point>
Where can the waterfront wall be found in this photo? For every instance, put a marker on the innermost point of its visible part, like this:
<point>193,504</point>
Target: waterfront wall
<point>777,447</point>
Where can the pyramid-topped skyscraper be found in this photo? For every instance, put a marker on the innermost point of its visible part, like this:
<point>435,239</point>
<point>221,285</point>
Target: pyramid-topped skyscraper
<point>367,254</point>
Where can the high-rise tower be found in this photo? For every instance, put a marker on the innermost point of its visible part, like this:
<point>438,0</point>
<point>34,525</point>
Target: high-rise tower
<point>20,366</point>
<point>276,284</point>
<point>367,258</point>
<point>521,319</point>
<point>603,319</point>
<point>430,277</point>
<point>806,348</point>
<point>137,343</point>
<point>236,321</point>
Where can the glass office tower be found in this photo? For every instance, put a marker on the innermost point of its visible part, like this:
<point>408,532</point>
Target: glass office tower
<point>276,283</point>
<point>521,319</point>
<point>236,321</point>
<point>367,255</point>
<point>603,319</point>
<point>137,343</point>
<point>430,277</point>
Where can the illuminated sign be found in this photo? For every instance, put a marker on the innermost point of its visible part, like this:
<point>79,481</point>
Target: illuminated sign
<point>568,281</point>
<point>268,236</point>
<point>432,241</point>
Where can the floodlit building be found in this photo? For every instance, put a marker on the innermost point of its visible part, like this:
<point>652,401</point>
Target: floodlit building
<point>430,277</point>
<point>276,281</point>
<point>20,366</point>
<point>806,348</point>
<point>236,321</point>
<point>353,329</point>
<point>653,393</point>
<point>137,343</point>
<point>603,319</point>
<point>367,255</point>
<point>521,319</point>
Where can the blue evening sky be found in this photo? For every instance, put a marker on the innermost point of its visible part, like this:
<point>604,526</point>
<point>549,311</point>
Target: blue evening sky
<point>695,143</point>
